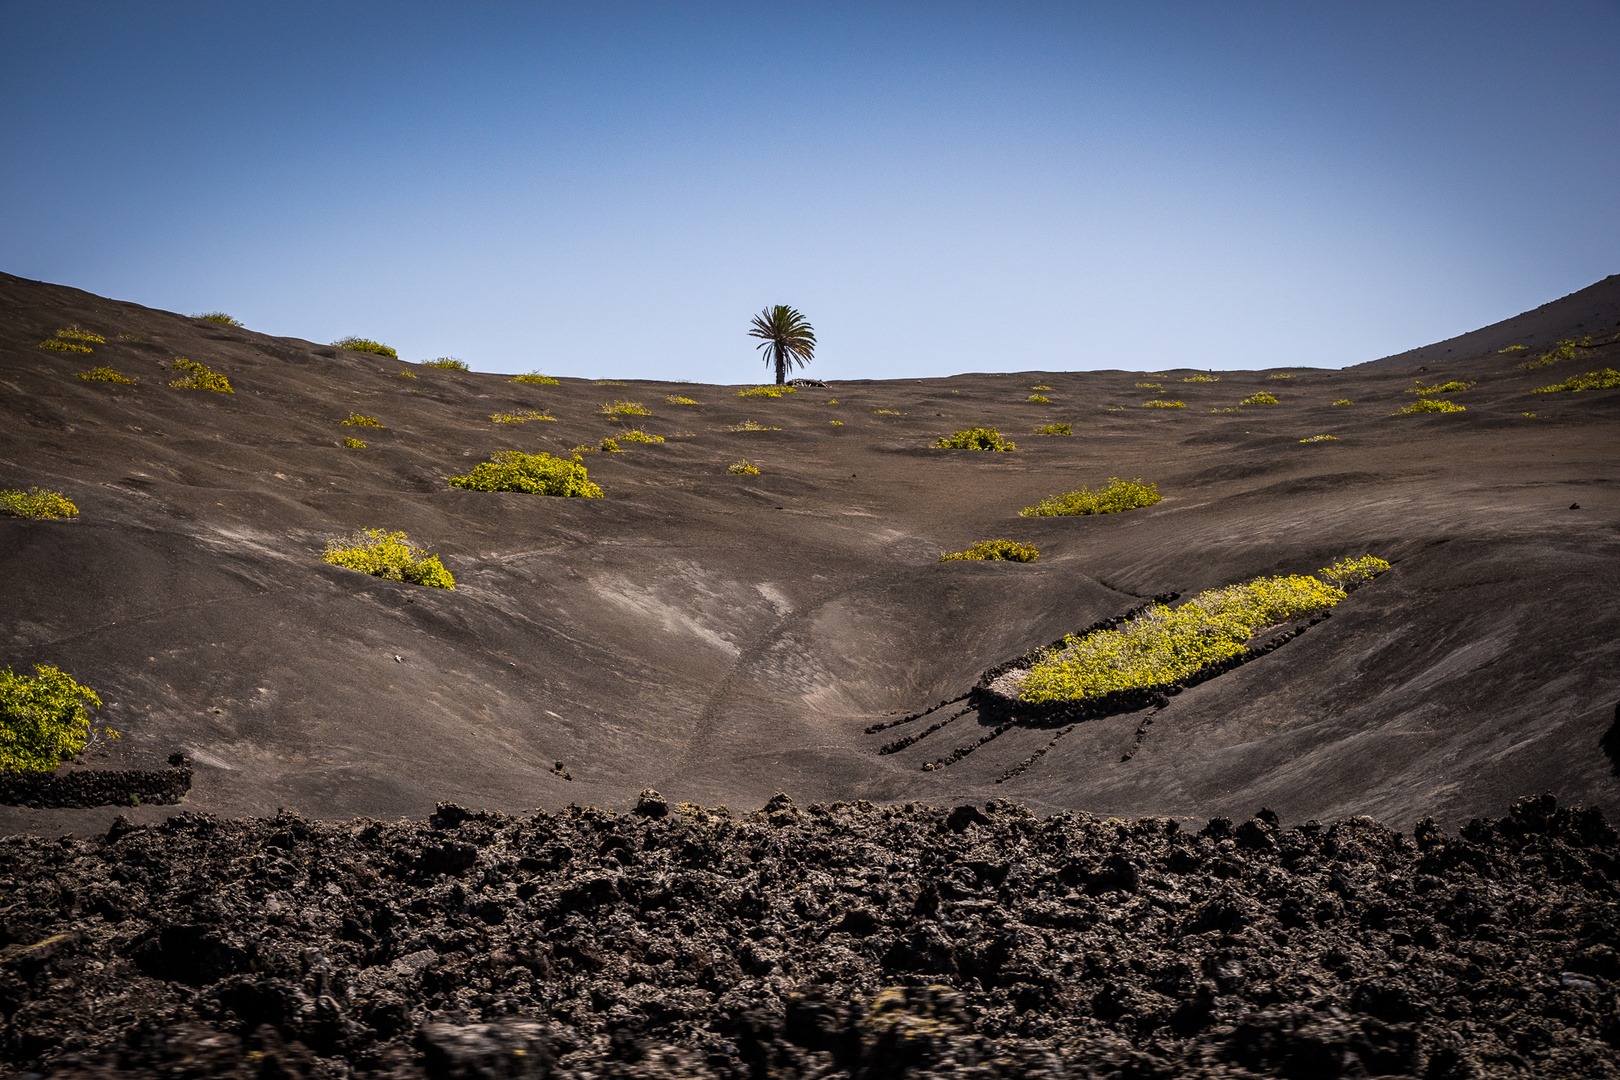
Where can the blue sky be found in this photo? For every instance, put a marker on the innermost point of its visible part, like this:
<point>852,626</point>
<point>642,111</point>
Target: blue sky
<point>614,189</point>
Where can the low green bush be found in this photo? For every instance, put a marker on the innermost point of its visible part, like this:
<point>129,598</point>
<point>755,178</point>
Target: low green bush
<point>365,345</point>
<point>1054,429</point>
<point>743,468</point>
<point>749,425</point>
<point>43,721</point>
<point>1261,398</point>
<point>1320,438</point>
<point>536,379</point>
<point>1452,387</point>
<point>1350,574</point>
<point>886,412</point>
<point>623,408</point>
<point>676,399</point>
<point>836,423</point>
<point>976,438</point>
<point>218,317</point>
<point>389,555</point>
<point>361,420</point>
<point>1149,386</point>
<point>74,333</point>
<point>107,374</point>
<point>1117,497</point>
<point>1428,405</point>
<point>1202,378</point>
<point>994,550</point>
<point>406,375</point>
<point>519,417</point>
<point>1607,379</point>
<point>767,391</point>
<point>1344,401</point>
<point>1280,375</point>
<point>1039,399</point>
<point>637,435</point>
<point>1040,388</point>
<point>611,382</point>
<point>1564,350</point>
<point>1156,404</point>
<point>609,445</point>
<point>36,503</point>
<point>199,377</point>
<point>58,345</point>
<point>447,363</point>
<point>1163,645</point>
<point>352,443</point>
<point>533,474</point>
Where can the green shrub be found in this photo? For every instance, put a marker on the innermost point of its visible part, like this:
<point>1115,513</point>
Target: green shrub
<point>1344,401</point>
<point>1261,398</point>
<point>42,718</point>
<point>533,474</point>
<point>1117,497</point>
<point>57,345</point>
<point>609,445</point>
<point>389,555</point>
<point>676,399</point>
<point>1040,388</point>
<point>1280,375</point>
<point>361,420</point>
<point>743,468</point>
<point>1320,438</point>
<point>353,443</point>
<point>519,418</point>
<point>767,391</point>
<point>626,408</point>
<point>1564,350</point>
<point>976,438</point>
<point>1439,388</point>
<point>836,423</point>
<point>199,377</point>
<point>107,374</point>
<point>749,425</point>
<point>1040,399</point>
<point>406,375</point>
<point>217,316</point>
<point>36,503</point>
<point>366,345</point>
<point>1607,379</point>
<point>994,550</point>
<point>1164,404</point>
<point>637,435</point>
<point>1054,429</point>
<point>74,333</point>
<point>536,379</point>
<point>1513,348</point>
<point>447,363</point>
<point>1427,405</point>
<point>611,382</point>
<point>1163,645</point>
<point>886,412</point>
<point>1202,378</point>
<point>1348,574</point>
<point>1149,386</point>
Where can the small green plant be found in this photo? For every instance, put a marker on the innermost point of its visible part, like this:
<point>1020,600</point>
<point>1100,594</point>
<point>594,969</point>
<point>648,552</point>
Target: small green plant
<point>1428,405</point>
<point>1607,379</point>
<point>389,555</point>
<point>217,317</point>
<point>1439,388</point>
<point>1513,348</point>
<point>676,399</point>
<point>446,363</point>
<point>1261,398</point>
<point>1041,399</point>
<point>36,503</point>
<point>353,443</point>
<point>406,374</point>
<point>43,721</point>
<point>361,420</point>
<point>767,391</point>
<point>1117,497</point>
<point>1349,574</point>
<point>749,425</point>
<point>1149,386</point>
<point>995,550</point>
<point>611,382</point>
<point>533,474</point>
<point>637,435</point>
<point>58,345</point>
<point>626,408</point>
<point>834,401</point>
<point>743,468</point>
<point>519,417</point>
<point>836,423</point>
<point>976,438</point>
<point>534,378</point>
<point>1344,401</point>
<point>1564,350</point>
<point>366,345</point>
<point>1040,388</point>
<point>609,445</point>
<point>85,337</point>
<point>1280,375</point>
<point>1320,438</point>
<point>131,337</point>
<point>1528,414</point>
<point>1054,429</point>
<point>886,412</point>
<point>107,374</point>
<point>1157,404</point>
<point>1202,378</point>
<point>199,377</point>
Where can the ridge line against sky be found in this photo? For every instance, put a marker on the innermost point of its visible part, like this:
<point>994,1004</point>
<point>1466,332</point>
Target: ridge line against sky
<point>615,189</point>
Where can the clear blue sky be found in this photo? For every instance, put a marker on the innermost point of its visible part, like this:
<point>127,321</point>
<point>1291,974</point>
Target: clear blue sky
<point>613,189</point>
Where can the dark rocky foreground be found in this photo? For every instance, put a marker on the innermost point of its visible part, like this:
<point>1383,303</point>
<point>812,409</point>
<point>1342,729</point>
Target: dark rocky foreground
<point>850,940</point>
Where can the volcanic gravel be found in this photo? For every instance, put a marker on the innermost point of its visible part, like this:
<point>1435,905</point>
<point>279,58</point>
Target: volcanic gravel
<point>842,940</point>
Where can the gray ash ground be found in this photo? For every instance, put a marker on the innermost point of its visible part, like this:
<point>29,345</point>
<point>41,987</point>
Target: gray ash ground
<point>845,940</point>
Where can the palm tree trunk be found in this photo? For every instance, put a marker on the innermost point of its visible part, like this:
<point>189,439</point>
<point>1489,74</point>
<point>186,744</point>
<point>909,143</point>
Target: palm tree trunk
<point>781,364</point>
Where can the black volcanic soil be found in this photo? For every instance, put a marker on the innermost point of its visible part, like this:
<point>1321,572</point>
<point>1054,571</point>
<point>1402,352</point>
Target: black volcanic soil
<point>844,940</point>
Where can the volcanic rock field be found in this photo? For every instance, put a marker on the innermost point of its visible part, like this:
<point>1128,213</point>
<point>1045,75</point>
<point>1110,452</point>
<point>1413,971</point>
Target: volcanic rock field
<point>712,776</point>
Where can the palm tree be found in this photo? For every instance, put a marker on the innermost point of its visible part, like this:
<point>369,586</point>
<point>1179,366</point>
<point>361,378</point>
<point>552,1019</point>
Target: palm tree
<point>787,335</point>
